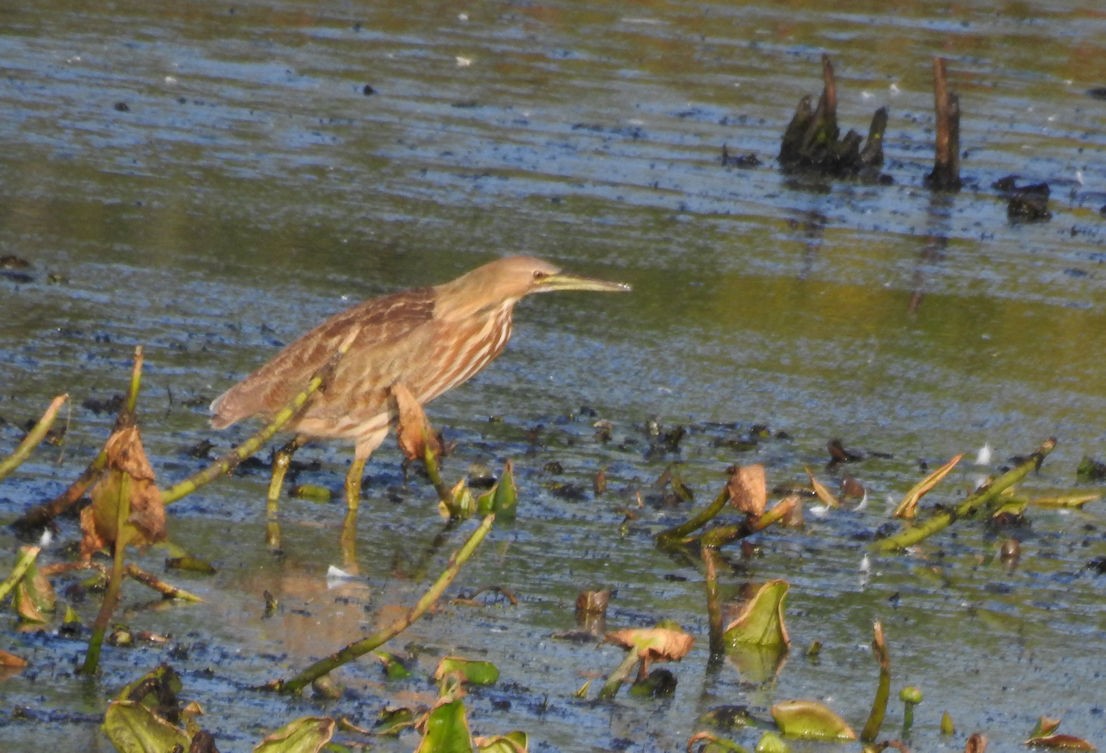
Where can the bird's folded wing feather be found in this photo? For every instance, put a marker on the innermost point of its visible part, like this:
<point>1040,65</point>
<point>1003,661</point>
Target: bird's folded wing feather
<point>381,321</point>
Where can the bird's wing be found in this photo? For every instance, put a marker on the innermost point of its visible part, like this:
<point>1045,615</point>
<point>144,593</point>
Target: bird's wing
<point>381,322</point>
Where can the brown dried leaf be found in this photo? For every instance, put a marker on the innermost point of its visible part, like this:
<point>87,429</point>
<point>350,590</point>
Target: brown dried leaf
<point>128,475</point>
<point>977,743</point>
<point>824,494</point>
<point>748,489</point>
<point>663,644</point>
<point>11,660</point>
<point>792,508</point>
<point>909,504</point>
<point>412,429</point>
<point>1062,742</point>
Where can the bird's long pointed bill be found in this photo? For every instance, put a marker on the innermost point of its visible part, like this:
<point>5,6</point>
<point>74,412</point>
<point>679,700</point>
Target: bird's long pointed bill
<point>566,281</point>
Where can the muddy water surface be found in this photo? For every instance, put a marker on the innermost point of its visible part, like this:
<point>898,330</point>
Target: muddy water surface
<point>210,180</point>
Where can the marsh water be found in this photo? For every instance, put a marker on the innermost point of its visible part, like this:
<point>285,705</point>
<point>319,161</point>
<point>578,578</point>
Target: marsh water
<point>209,180</point>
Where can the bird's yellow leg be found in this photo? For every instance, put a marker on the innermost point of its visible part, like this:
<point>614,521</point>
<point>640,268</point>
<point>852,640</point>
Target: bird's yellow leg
<point>364,449</point>
<point>282,460</point>
<point>353,483</point>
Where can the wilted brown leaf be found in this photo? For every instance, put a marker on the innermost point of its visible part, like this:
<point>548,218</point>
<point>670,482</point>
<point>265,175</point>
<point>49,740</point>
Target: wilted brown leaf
<point>977,743</point>
<point>663,644</point>
<point>824,494</point>
<point>412,429</point>
<point>11,660</point>
<point>748,489</point>
<point>128,476</point>
<point>792,508</point>
<point>909,504</point>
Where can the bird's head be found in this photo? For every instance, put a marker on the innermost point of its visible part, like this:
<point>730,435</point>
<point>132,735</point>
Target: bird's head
<point>505,281</point>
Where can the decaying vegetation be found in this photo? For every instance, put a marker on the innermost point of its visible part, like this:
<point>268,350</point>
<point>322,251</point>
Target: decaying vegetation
<point>127,508</point>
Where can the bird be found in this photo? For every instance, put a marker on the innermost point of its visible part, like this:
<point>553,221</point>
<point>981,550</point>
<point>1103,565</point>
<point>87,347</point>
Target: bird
<point>427,339</point>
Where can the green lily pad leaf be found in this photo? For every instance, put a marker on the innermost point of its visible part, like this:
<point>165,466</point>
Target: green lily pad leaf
<point>512,742</point>
<point>761,620</point>
<point>447,730</point>
<point>308,734</point>
<point>770,742</point>
<point>471,672</point>
<point>810,720</point>
<point>133,728</point>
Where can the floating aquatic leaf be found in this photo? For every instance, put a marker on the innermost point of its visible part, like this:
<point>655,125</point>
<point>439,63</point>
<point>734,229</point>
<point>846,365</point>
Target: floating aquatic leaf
<point>820,491</point>
<point>712,743</point>
<point>133,728</point>
<point>761,622</point>
<point>1044,735</point>
<point>909,505</point>
<point>770,742</point>
<point>447,729</point>
<point>393,721</point>
<point>748,489</point>
<point>810,720</point>
<point>512,742</point>
<point>190,564</point>
<point>308,734</point>
<point>468,670</point>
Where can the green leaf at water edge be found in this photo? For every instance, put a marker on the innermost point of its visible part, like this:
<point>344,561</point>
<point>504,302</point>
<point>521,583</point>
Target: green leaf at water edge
<point>761,620</point>
<point>133,728</point>
<point>810,720</point>
<point>468,670</point>
<point>512,742</point>
<point>308,734</point>
<point>447,730</point>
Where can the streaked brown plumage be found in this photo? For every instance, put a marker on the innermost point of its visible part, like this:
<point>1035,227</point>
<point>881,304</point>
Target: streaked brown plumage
<point>428,339</point>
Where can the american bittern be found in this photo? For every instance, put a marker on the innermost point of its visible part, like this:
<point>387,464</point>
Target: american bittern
<point>428,339</point>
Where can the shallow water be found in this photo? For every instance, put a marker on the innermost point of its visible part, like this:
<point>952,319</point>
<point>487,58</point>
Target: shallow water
<point>209,181</point>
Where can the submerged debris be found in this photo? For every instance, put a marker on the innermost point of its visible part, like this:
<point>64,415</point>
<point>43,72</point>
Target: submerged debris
<point>1028,203</point>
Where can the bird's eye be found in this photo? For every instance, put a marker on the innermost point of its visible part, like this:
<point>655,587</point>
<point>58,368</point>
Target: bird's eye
<point>539,275</point>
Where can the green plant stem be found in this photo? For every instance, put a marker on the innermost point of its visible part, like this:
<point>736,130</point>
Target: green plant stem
<point>34,436</point>
<point>379,638</point>
<point>230,461</point>
<point>883,689</point>
<point>714,601</point>
<point>621,672</point>
<point>969,506</point>
<point>22,565</point>
<point>111,595</point>
<point>167,590</point>
<point>675,534</point>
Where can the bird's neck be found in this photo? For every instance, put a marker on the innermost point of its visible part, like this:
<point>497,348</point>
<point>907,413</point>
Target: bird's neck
<point>456,308</point>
